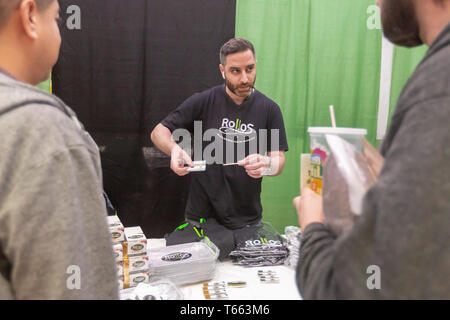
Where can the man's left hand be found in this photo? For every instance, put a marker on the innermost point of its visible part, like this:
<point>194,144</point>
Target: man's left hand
<point>309,208</point>
<point>256,165</point>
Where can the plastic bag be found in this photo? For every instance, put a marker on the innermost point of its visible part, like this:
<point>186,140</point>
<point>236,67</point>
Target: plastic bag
<point>293,237</point>
<point>259,245</point>
<point>347,177</point>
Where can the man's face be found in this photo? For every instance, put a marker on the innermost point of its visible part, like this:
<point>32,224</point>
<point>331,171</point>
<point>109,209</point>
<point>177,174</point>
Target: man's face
<point>400,23</point>
<point>240,73</point>
<point>49,41</point>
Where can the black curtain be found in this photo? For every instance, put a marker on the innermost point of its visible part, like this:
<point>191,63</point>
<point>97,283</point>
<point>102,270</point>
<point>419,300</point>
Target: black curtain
<point>128,66</point>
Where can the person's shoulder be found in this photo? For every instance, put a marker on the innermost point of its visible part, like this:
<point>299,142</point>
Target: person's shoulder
<point>430,79</point>
<point>42,116</point>
<point>42,129</point>
<point>25,106</point>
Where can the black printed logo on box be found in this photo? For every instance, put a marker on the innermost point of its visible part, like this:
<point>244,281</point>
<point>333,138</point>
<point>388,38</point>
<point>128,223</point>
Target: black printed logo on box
<point>177,256</point>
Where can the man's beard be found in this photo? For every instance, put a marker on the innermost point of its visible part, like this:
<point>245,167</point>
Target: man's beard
<point>242,94</point>
<point>400,24</point>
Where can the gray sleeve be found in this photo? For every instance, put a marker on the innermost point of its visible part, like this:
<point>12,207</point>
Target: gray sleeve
<point>314,272</point>
<point>57,229</point>
<point>403,231</point>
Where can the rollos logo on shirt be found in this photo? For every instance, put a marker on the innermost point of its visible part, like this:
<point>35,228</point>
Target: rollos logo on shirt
<point>208,145</point>
<point>236,131</point>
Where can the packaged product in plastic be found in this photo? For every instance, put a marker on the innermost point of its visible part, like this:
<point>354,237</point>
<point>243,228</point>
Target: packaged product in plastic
<point>347,177</point>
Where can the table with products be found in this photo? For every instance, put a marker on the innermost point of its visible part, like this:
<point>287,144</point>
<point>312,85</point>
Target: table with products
<point>231,278</point>
<point>261,266</point>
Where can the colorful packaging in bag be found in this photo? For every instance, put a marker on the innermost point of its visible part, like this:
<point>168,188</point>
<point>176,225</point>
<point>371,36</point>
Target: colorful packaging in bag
<point>320,149</point>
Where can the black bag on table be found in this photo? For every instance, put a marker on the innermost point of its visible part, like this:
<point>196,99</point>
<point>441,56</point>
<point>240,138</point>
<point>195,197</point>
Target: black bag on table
<point>259,245</point>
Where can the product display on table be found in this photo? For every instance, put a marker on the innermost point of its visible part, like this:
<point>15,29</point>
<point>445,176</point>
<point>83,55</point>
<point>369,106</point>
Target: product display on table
<point>130,252</point>
<point>116,229</point>
<point>184,263</point>
<point>118,252</point>
<point>292,235</point>
<point>268,276</point>
<point>237,284</point>
<point>135,242</point>
<point>215,291</point>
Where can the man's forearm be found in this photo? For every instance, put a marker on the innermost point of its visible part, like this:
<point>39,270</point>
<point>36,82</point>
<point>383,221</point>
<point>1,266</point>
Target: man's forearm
<point>162,139</point>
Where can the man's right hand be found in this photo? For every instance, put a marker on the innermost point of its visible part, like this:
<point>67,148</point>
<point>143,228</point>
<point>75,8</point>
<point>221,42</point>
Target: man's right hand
<point>178,159</point>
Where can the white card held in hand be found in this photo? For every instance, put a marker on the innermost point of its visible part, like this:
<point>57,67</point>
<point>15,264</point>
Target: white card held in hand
<point>198,166</point>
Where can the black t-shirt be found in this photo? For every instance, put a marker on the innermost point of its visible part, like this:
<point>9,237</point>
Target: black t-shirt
<point>227,193</point>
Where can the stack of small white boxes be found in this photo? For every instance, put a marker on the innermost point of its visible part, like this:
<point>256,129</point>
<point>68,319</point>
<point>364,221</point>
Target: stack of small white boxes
<point>130,251</point>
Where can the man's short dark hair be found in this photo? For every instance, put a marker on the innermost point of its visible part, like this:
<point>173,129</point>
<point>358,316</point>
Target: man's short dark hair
<point>234,45</point>
<point>8,6</point>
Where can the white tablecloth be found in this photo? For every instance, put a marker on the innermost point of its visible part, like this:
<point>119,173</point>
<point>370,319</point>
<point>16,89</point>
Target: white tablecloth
<point>286,289</point>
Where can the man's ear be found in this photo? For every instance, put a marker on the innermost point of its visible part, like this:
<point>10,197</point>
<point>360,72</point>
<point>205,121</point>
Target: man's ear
<point>28,13</point>
<point>222,70</point>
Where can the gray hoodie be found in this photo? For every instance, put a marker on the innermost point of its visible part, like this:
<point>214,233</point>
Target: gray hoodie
<point>54,239</point>
<point>400,246</point>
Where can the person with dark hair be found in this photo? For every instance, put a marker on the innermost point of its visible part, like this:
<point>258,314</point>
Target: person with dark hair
<point>234,46</point>
<point>399,247</point>
<point>54,238</point>
<point>241,118</point>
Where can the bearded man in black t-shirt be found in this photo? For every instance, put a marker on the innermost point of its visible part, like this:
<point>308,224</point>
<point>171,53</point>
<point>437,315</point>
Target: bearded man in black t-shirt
<point>244,139</point>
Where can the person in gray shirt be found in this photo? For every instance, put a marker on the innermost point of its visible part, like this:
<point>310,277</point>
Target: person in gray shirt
<point>399,247</point>
<point>54,238</point>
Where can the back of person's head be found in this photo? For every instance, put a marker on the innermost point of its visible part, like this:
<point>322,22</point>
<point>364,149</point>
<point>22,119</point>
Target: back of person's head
<point>235,45</point>
<point>29,38</point>
<point>411,23</point>
<point>7,7</point>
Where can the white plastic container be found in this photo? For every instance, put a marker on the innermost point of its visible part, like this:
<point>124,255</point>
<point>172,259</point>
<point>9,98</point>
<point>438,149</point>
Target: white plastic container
<point>351,135</point>
<point>184,263</point>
